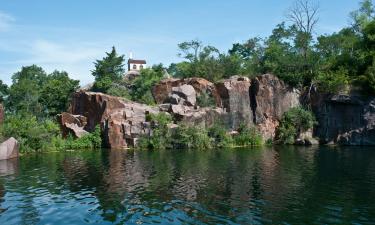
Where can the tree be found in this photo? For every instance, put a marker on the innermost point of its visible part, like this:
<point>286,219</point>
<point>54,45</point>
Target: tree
<point>56,91</point>
<point>190,50</point>
<point>24,93</point>
<point>361,17</point>
<point>3,91</point>
<point>304,16</point>
<point>108,70</point>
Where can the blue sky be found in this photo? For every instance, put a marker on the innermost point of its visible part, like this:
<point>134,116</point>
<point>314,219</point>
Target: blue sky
<point>70,34</point>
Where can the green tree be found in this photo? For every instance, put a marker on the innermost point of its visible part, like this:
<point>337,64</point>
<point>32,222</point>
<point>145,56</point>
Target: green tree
<point>108,70</point>
<point>24,93</point>
<point>56,91</point>
<point>3,91</point>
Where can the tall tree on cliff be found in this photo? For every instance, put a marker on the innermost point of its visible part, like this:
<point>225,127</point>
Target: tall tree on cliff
<point>3,91</point>
<point>108,70</point>
<point>304,17</point>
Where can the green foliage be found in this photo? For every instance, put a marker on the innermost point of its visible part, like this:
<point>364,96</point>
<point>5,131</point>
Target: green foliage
<point>192,137</point>
<point>108,70</point>
<point>55,92</point>
<point>44,135</point>
<point>89,141</point>
<point>333,81</point>
<point>32,134</point>
<point>293,122</point>
<point>220,136</point>
<point>141,86</point>
<point>36,93</point>
<point>248,136</point>
<point>3,91</point>
<point>161,134</point>
<point>205,100</point>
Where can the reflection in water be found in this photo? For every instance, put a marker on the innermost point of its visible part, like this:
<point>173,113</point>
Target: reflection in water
<point>246,186</point>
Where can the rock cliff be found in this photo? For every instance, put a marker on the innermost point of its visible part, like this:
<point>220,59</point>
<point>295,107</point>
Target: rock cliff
<point>343,119</point>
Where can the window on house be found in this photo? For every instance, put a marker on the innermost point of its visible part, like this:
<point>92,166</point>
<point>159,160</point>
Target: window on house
<point>134,67</point>
<point>141,67</point>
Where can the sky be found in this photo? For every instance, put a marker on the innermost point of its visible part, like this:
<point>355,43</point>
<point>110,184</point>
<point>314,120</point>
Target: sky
<point>71,34</point>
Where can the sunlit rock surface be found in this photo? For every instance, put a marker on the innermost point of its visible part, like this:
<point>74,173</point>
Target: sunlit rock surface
<point>9,149</point>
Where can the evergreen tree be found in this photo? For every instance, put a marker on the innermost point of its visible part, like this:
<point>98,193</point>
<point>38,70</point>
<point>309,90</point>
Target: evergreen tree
<point>108,70</point>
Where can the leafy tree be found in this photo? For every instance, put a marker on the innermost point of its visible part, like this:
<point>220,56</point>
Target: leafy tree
<point>55,92</point>
<point>24,93</point>
<point>3,91</point>
<point>108,70</point>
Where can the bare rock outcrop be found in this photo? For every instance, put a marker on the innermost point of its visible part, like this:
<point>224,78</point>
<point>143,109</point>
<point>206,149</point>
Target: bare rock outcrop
<point>163,89</point>
<point>270,98</point>
<point>9,149</point>
<point>183,95</point>
<point>72,124</point>
<point>346,119</point>
<point>235,99</point>
<point>121,121</point>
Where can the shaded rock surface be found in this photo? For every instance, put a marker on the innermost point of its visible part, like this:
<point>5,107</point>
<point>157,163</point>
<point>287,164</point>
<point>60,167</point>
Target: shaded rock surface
<point>343,119</point>
<point>9,149</point>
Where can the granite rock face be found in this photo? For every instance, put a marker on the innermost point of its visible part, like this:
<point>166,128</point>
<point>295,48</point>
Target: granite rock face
<point>9,149</point>
<point>72,124</point>
<point>270,98</point>
<point>235,99</point>
<point>121,121</point>
<point>183,95</point>
<point>162,91</point>
<point>344,119</point>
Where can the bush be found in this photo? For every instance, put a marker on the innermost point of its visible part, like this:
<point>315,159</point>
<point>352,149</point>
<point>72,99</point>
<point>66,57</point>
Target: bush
<point>205,100</point>
<point>161,136</point>
<point>220,136</point>
<point>333,81</point>
<point>191,137</point>
<point>32,134</point>
<point>293,122</point>
<point>248,136</point>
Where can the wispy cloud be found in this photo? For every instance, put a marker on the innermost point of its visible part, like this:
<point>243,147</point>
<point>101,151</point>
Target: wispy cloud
<point>5,21</point>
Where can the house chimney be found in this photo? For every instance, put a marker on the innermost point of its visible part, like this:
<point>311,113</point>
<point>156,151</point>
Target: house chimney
<point>131,55</point>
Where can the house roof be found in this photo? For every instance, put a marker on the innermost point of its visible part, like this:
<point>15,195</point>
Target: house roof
<point>137,61</point>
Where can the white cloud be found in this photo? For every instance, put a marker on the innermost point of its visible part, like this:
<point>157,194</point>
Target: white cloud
<point>5,21</point>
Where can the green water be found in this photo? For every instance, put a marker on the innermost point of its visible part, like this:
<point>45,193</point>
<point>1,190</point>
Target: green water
<point>284,185</point>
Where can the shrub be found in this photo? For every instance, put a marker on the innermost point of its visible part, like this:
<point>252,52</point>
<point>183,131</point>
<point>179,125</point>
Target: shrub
<point>333,81</point>
<point>89,141</point>
<point>192,137</point>
<point>161,135</point>
<point>293,122</point>
<point>32,134</point>
<point>219,136</point>
<point>248,136</point>
<point>205,100</point>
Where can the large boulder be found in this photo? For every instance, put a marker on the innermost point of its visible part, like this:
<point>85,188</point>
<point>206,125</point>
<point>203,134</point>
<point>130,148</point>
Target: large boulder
<point>72,124</point>
<point>184,95</point>
<point>346,119</point>
<point>1,113</point>
<point>235,99</point>
<point>162,91</point>
<point>9,149</point>
<point>120,120</point>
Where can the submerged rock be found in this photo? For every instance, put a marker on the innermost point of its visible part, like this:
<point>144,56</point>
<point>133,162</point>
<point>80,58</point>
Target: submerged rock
<point>9,149</point>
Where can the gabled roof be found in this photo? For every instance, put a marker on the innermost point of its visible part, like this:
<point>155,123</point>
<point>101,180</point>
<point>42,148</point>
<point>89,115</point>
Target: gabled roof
<point>137,61</point>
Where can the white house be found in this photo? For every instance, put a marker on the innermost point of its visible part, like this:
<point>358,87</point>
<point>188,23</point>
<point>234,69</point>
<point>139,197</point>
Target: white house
<point>136,64</point>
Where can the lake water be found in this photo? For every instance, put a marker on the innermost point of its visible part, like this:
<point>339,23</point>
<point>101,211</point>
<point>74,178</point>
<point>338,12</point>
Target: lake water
<point>283,185</point>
